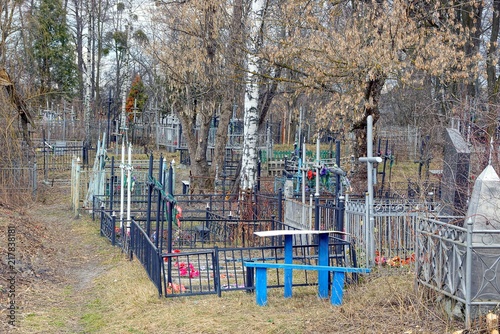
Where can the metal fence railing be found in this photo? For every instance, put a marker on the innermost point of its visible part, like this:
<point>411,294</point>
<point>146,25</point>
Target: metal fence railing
<point>54,160</point>
<point>216,270</point>
<point>109,228</point>
<point>393,232</point>
<point>18,180</point>
<point>148,255</point>
<point>461,263</point>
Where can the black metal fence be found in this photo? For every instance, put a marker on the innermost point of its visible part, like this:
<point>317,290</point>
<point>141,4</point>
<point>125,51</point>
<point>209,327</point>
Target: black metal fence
<point>219,270</point>
<point>189,273</point>
<point>210,269</point>
<point>54,160</point>
<point>213,270</point>
<point>203,251</point>
<point>147,253</point>
<point>108,227</point>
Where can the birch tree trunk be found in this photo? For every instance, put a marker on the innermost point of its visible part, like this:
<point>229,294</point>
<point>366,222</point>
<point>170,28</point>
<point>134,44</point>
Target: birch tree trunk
<point>251,116</point>
<point>88,112</point>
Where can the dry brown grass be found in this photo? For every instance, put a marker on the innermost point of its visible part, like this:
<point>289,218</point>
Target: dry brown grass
<point>381,304</point>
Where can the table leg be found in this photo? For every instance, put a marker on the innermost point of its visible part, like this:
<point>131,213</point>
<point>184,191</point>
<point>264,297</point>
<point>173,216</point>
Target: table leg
<point>261,286</point>
<point>337,288</point>
<point>323,260</point>
<point>288,260</point>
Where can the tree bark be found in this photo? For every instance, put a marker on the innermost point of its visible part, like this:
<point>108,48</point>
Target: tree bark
<point>232,97</point>
<point>373,91</point>
<point>251,117</point>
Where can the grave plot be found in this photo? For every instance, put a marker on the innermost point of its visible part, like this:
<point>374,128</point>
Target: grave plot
<point>190,250</point>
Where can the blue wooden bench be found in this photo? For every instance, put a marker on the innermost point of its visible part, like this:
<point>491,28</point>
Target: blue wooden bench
<point>337,282</point>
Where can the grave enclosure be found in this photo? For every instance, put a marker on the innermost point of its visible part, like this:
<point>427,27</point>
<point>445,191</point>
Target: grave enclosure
<point>203,251</point>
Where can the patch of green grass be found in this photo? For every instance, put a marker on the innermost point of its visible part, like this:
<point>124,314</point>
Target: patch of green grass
<point>52,320</point>
<point>30,316</point>
<point>67,291</point>
<point>93,319</point>
<point>59,323</point>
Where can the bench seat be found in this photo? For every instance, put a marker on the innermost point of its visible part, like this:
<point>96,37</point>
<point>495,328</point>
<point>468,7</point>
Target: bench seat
<point>338,281</point>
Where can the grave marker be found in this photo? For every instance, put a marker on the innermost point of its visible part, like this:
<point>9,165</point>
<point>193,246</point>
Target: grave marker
<point>455,173</point>
<point>484,215</point>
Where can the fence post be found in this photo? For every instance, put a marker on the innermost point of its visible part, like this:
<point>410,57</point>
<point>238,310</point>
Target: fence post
<point>255,204</point>
<point>468,275</point>
<point>113,225</point>
<point>93,208</point>
<point>280,205</point>
<point>367,232</point>
<point>76,202</point>
<point>337,161</point>
<point>340,213</point>
<point>170,209</point>
<point>207,215</point>
<point>34,179</point>
<point>354,259</point>
<point>259,166</point>
<point>85,152</point>
<point>132,240</point>
<point>158,271</point>
<point>73,177</point>
<point>150,196</point>
<point>272,228</point>
<point>223,193</point>
<point>229,218</point>
<point>215,261</point>
<point>102,221</point>
<point>249,279</point>
<point>112,184</point>
<point>45,171</point>
<point>316,213</point>
<point>159,203</point>
<point>172,178</point>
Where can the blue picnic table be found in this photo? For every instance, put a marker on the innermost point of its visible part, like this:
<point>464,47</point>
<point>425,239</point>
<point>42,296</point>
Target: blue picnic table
<point>323,266</point>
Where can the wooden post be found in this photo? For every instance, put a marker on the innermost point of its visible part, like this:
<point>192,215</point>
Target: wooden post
<point>492,323</point>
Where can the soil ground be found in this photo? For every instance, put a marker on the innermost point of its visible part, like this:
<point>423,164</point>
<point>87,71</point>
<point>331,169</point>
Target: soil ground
<point>57,259</point>
<point>68,279</point>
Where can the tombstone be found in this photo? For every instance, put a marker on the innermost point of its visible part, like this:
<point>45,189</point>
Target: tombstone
<point>484,214</point>
<point>288,188</point>
<point>455,174</point>
<point>59,147</point>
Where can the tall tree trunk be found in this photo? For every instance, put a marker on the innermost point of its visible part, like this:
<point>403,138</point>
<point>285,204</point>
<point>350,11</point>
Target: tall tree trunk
<point>234,95</point>
<point>493,80</point>
<point>88,137</point>
<point>471,19</point>
<point>251,117</point>
<point>373,90</point>
<point>197,141</point>
<point>99,25</point>
<point>79,47</point>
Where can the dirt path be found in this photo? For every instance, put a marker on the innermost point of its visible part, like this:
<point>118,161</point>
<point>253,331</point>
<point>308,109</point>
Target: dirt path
<point>57,259</point>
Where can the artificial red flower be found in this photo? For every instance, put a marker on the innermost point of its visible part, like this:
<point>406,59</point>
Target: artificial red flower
<point>310,174</point>
<point>380,260</point>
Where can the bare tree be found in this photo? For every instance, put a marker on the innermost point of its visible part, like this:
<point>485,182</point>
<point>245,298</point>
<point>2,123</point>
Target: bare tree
<point>353,52</point>
<point>199,65</point>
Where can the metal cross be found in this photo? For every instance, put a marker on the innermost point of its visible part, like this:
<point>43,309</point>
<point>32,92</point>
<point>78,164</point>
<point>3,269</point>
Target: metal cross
<point>370,160</point>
